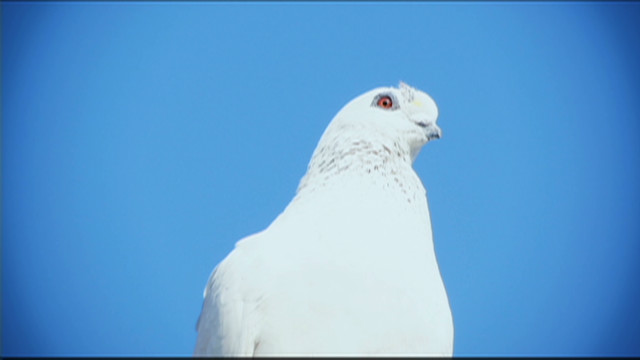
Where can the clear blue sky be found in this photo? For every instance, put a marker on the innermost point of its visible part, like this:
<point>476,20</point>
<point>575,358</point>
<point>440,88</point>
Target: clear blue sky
<point>140,141</point>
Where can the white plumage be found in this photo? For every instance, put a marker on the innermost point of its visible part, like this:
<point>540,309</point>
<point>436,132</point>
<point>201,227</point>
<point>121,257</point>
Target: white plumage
<point>348,268</point>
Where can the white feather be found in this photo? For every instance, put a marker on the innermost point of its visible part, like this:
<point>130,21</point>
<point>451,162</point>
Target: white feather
<point>349,266</point>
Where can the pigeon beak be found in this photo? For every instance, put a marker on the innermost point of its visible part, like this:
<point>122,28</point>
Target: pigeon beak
<point>435,133</point>
<point>431,130</point>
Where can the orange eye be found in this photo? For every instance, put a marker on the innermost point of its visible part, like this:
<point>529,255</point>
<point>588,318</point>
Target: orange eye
<point>385,102</point>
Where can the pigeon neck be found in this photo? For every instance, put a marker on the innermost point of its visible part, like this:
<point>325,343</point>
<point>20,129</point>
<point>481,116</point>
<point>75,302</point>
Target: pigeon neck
<point>362,159</point>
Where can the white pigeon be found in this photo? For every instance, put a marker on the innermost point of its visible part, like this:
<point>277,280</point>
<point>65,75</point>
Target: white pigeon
<point>349,267</point>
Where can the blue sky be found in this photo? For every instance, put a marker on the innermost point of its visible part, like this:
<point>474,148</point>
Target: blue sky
<point>140,141</point>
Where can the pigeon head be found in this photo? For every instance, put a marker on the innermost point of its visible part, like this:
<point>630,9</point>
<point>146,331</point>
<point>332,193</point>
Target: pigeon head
<point>404,117</point>
<point>382,128</point>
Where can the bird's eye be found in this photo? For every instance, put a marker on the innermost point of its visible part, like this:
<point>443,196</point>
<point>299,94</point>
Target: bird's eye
<point>385,102</point>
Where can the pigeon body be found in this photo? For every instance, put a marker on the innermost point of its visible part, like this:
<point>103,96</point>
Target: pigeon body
<point>348,268</point>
